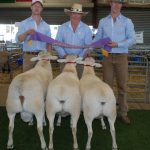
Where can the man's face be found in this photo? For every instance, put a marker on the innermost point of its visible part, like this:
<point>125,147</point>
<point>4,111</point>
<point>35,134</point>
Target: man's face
<point>75,16</point>
<point>116,7</point>
<point>36,8</point>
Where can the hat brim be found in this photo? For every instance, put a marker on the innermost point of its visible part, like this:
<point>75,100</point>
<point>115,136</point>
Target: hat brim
<point>117,1</point>
<point>37,2</point>
<point>67,11</point>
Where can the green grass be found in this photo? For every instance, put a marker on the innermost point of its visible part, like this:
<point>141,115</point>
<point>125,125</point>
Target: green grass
<point>129,137</point>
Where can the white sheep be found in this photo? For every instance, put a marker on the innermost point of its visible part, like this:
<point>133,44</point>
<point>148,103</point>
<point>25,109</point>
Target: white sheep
<point>27,93</point>
<point>63,96</point>
<point>98,100</point>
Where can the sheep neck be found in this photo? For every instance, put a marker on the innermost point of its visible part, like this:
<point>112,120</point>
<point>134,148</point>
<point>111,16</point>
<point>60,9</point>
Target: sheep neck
<point>70,67</point>
<point>46,59</point>
<point>88,69</point>
<point>69,62</point>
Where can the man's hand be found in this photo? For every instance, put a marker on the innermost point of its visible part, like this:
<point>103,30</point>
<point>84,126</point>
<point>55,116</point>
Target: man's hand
<point>30,32</point>
<point>23,36</point>
<point>113,44</point>
<point>65,56</point>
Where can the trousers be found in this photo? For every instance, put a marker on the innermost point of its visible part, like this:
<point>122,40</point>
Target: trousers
<point>115,66</point>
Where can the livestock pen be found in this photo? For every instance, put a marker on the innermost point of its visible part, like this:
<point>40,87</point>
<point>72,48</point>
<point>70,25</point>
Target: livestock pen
<point>138,79</point>
<point>132,137</point>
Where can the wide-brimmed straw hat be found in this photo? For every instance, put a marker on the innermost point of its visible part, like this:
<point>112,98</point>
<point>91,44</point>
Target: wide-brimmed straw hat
<point>75,8</point>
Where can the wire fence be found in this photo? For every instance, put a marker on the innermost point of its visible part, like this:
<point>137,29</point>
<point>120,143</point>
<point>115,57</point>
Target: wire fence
<point>138,76</point>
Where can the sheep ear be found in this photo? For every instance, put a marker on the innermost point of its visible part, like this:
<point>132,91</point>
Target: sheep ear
<point>34,59</point>
<point>97,65</point>
<point>53,57</point>
<point>61,60</point>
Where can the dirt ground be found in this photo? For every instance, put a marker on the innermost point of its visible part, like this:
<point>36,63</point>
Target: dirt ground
<point>3,93</point>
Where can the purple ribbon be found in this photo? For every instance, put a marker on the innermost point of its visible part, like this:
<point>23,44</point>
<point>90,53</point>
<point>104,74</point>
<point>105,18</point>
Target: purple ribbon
<point>102,43</point>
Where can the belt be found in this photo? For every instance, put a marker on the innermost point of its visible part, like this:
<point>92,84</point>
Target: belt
<point>117,54</point>
<point>32,53</point>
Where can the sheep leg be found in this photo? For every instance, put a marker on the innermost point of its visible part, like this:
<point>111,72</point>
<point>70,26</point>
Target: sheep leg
<point>11,128</point>
<point>74,119</point>
<point>113,133</point>
<point>44,121</point>
<point>74,133</point>
<point>71,122</point>
<point>51,130</point>
<point>40,131</point>
<point>103,123</point>
<point>30,123</point>
<point>90,133</point>
<point>59,120</point>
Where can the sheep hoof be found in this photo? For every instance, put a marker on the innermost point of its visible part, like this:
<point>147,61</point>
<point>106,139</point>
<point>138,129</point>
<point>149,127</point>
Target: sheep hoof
<point>50,148</point>
<point>30,123</point>
<point>88,148</point>
<point>45,148</point>
<point>44,124</point>
<point>104,128</point>
<point>114,148</point>
<point>58,124</point>
<point>10,146</point>
<point>76,148</point>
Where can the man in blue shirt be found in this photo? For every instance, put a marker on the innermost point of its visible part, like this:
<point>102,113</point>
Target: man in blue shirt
<point>120,30</point>
<point>28,27</point>
<point>74,32</point>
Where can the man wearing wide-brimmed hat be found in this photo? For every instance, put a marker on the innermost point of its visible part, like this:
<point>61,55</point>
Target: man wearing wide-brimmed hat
<point>120,30</point>
<point>26,28</point>
<point>74,32</point>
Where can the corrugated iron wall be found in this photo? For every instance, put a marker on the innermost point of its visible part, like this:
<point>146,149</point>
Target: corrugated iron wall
<point>139,16</point>
<point>50,15</point>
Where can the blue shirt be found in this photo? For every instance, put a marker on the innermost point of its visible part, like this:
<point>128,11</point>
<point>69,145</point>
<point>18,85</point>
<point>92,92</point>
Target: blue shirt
<point>121,31</point>
<point>82,36</point>
<point>30,23</point>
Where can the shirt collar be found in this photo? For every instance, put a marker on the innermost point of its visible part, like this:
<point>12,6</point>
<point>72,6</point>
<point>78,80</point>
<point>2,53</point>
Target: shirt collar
<point>69,24</point>
<point>30,18</point>
<point>118,17</point>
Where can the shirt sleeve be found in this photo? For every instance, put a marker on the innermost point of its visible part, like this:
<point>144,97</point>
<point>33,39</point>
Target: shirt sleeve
<point>88,41</point>
<point>130,35</point>
<point>48,31</point>
<point>99,33</point>
<point>21,30</point>
<point>59,37</point>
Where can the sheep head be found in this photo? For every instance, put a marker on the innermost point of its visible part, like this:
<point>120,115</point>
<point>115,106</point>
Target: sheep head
<point>70,58</point>
<point>44,55</point>
<point>89,61</point>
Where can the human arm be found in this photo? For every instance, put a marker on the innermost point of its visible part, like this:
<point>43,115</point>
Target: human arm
<point>99,34</point>
<point>130,38</point>
<point>59,37</point>
<point>48,33</point>
<point>87,41</point>
<point>24,35</point>
<point>49,47</point>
